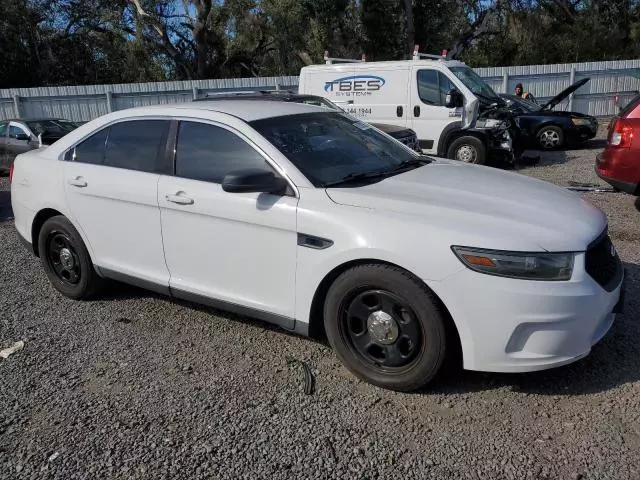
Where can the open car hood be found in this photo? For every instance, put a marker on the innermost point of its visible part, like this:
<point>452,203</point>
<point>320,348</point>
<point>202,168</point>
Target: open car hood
<point>563,94</point>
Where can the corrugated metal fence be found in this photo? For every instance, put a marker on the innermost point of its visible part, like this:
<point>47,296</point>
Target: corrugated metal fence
<point>609,80</point>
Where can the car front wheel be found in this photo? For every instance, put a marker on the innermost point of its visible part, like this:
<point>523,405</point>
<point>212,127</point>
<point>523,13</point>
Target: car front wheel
<point>66,260</point>
<point>385,326</point>
<point>550,137</point>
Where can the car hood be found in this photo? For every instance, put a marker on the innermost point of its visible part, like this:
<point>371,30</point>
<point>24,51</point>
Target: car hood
<point>563,94</point>
<point>385,127</point>
<point>490,207</point>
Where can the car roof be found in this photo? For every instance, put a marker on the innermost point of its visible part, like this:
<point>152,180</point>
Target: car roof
<point>247,110</point>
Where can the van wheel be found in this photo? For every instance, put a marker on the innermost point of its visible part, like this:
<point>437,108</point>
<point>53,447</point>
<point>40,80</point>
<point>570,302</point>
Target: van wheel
<point>385,327</point>
<point>467,149</point>
<point>66,260</point>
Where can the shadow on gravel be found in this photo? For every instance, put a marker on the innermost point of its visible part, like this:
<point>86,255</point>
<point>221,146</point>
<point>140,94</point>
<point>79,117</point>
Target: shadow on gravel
<point>541,158</point>
<point>613,362</point>
<point>593,144</point>
<point>6,213</point>
<point>637,203</point>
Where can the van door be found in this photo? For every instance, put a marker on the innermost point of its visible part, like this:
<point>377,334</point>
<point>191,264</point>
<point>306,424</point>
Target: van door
<point>429,117</point>
<point>380,94</point>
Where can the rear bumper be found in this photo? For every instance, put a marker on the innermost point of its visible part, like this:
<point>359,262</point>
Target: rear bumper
<point>619,171</point>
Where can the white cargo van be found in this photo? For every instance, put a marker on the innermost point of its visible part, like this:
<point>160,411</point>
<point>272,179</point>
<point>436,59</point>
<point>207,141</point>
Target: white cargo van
<point>441,100</point>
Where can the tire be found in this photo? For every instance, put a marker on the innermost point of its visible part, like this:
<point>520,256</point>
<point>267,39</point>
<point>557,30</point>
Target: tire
<point>550,137</point>
<point>409,342</point>
<point>66,260</point>
<point>468,149</point>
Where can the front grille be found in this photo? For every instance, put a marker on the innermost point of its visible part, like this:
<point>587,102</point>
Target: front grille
<point>603,263</point>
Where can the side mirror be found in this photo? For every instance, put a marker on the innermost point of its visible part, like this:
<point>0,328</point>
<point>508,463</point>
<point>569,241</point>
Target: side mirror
<point>23,137</point>
<point>454,99</point>
<point>254,180</point>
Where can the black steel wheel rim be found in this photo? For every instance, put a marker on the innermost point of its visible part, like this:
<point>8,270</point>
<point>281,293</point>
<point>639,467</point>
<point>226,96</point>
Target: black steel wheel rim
<point>382,329</point>
<point>63,258</point>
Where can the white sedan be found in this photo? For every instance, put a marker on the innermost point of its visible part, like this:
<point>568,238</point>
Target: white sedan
<point>322,224</point>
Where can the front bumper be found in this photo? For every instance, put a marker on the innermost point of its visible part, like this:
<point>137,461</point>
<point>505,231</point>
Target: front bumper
<point>508,325</point>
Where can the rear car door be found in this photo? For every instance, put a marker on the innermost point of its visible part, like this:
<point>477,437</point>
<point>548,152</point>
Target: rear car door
<point>111,182</point>
<point>235,248</point>
<point>429,116</point>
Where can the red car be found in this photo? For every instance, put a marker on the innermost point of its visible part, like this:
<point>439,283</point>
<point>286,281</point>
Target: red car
<point>619,163</point>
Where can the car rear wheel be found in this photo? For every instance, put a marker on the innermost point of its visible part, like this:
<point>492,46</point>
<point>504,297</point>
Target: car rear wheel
<point>385,327</point>
<point>66,260</point>
<point>467,149</point>
<point>550,137</point>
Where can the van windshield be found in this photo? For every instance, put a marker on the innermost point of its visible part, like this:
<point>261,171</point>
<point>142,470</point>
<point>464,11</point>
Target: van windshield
<point>475,83</point>
<point>333,149</point>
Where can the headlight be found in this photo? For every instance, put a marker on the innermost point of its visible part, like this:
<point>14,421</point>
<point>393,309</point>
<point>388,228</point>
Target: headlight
<point>523,265</point>
<point>581,121</point>
<point>488,123</point>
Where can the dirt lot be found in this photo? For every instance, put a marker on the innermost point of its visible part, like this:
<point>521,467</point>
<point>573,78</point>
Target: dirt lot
<point>138,386</point>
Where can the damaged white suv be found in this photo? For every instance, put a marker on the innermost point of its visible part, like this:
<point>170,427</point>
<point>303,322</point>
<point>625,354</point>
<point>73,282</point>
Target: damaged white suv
<point>320,223</point>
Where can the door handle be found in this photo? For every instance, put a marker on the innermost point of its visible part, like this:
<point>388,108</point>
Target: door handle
<point>78,182</point>
<point>416,111</point>
<point>179,198</point>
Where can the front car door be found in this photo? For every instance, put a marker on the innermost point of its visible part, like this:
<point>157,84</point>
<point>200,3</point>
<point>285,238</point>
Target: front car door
<point>20,139</point>
<point>111,180</point>
<point>429,116</point>
<point>236,250</point>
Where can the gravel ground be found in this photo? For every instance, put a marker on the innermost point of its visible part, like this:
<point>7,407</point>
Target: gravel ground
<point>139,386</point>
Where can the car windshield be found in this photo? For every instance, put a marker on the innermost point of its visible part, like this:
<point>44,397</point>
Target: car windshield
<point>330,148</point>
<point>474,83</point>
<point>49,126</point>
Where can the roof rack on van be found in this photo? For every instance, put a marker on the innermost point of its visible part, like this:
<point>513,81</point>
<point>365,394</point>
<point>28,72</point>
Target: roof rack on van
<point>417,55</point>
<point>329,60</point>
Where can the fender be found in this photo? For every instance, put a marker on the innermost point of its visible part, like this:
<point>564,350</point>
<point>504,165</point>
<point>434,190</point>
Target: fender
<point>455,130</point>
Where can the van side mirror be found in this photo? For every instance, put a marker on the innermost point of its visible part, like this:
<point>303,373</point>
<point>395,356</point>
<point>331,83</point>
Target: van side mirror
<point>454,99</point>
<point>254,180</point>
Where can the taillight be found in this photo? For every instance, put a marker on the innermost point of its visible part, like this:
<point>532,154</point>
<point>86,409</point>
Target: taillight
<point>11,172</point>
<point>622,134</point>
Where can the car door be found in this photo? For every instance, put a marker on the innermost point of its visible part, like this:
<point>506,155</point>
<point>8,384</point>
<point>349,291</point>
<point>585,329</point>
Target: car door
<point>111,182</point>
<point>4,156</point>
<point>19,140</point>
<point>236,250</point>
<point>429,116</point>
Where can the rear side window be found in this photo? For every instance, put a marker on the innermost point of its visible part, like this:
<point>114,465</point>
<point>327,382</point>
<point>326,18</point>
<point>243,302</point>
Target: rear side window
<point>137,145</point>
<point>3,129</point>
<point>92,149</point>
<point>631,109</point>
<point>208,153</point>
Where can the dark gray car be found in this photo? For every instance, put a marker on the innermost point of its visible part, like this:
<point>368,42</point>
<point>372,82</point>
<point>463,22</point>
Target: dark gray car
<point>21,135</point>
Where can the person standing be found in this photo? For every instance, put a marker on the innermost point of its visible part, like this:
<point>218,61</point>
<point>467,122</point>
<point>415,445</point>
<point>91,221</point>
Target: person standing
<point>522,94</point>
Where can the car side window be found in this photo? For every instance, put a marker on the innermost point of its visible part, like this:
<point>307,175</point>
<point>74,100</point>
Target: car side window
<point>92,149</point>
<point>208,153</point>
<point>14,131</point>
<point>3,129</point>
<point>433,87</point>
<point>428,89</point>
<point>137,145</point>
